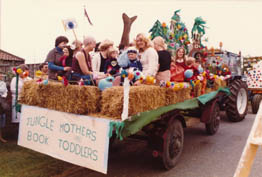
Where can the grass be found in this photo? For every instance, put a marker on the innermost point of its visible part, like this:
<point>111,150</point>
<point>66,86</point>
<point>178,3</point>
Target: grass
<point>18,161</point>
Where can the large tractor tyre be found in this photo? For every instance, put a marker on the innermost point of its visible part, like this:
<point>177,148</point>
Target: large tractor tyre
<point>173,144</point>
<point>213,125</point>
<point>255,103</point>
<point>237,102</point>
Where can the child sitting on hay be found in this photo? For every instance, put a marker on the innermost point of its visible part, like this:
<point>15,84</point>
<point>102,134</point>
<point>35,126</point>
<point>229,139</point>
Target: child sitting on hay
<point>111,65</point>
<point>133,61</point>
<point>66,61</point>
<point>191,65</point>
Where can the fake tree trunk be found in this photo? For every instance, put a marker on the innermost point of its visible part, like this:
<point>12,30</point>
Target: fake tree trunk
<point>127,27</point>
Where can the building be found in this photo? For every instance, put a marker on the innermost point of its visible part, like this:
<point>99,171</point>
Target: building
<point>7,62</point>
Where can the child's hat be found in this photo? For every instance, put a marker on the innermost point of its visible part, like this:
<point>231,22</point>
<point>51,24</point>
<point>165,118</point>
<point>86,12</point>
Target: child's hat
<point>131,50</point>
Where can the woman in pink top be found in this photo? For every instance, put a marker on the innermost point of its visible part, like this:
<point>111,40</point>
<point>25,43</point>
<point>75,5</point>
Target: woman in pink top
<point>147,54</point>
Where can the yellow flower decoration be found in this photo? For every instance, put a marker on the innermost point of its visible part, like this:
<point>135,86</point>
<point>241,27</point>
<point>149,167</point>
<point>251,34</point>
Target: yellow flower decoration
<point>38,73</point>
<point>19,71</point>
<point>59,78</point>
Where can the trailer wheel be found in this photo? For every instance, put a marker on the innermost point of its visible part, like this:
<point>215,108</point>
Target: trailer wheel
<point>256,102</point>
<point>237,102</point>
<point>173,144</point>
<point>213,125</point>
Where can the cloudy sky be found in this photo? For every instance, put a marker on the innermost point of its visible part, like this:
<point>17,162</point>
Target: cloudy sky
<point>29,27</point>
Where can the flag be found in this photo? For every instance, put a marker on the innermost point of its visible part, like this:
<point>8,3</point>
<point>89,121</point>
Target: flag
<point>85,12</point>
<point>69,24</point>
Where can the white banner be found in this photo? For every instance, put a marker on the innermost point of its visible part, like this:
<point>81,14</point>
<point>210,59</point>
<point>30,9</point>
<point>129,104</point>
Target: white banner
<point>78,139</point>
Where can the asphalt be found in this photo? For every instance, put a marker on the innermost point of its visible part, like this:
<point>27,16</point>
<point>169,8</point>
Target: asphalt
<point>203,155</point>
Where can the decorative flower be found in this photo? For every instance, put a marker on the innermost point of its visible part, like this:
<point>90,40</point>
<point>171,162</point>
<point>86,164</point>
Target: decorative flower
<point>59,78</point>
<point>38,73</point>
<point>19,71</point>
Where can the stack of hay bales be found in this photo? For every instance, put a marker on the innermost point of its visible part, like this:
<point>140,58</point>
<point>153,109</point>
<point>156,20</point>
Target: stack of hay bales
<point>54,95</point>
<point>90,100</point>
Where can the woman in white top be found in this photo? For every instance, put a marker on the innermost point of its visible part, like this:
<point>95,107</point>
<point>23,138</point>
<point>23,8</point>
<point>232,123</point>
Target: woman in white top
<point>147,54</point>
<point>21,79</point>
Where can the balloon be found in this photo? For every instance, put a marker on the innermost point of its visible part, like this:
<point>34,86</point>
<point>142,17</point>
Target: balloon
<point>45,82</point>
<point>105,83</point>
<point>188,73</point>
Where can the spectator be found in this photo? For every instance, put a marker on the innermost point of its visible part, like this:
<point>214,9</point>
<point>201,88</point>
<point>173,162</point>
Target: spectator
<point>44,69</point>
<point>16,86</point>
<point>4,107</point>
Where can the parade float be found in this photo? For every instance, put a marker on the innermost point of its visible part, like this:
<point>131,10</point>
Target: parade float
<point>252,71</point>
<point>74,122</point>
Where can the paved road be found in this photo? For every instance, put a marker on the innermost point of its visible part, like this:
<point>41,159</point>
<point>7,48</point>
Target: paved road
<point>203,156</point>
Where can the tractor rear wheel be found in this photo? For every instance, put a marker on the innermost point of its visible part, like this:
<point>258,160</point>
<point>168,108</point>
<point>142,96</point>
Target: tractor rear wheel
<point>237,102</point>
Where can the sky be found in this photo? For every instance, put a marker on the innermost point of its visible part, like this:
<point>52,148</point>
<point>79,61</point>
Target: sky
<point>29,27</point>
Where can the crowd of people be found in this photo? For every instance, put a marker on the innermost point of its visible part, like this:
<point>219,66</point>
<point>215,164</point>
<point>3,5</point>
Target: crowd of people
<point>92,61</point>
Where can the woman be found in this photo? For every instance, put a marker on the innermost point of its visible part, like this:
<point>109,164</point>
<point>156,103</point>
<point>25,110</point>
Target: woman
<point>164,59</point>
<point>178,66</point>
<point>148,55</point>
<point>53,58</point>
<point>16,89</point>
<point>82,65</point>
<point>99,59</point>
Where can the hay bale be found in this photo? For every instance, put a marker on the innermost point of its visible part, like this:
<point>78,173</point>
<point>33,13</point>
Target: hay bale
<point>173,97</point>
<point>197,89</point>
<point>54,95</point>
<point>141,98</point>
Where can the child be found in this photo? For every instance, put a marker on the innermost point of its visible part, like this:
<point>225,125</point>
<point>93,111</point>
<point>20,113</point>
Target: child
<point>191,65</point>
<point>66,61</point>
<point>133,61</point>
<point>111,65</point>
<point>133,64</point>
<point>177,67</point>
